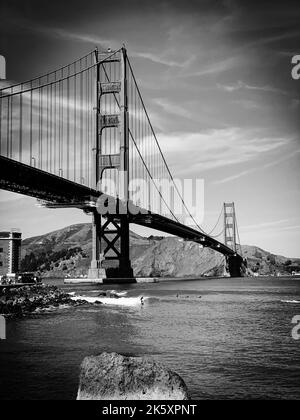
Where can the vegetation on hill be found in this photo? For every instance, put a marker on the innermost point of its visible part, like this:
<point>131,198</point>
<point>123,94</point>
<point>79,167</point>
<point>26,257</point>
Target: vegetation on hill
<point>67,252</point>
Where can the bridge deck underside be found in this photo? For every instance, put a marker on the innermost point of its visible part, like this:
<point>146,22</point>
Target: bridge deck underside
<point>163,224</point>
<point>24,179</point>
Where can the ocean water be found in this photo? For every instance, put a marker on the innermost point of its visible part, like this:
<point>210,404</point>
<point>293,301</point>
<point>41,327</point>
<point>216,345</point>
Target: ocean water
<point>227,338</point>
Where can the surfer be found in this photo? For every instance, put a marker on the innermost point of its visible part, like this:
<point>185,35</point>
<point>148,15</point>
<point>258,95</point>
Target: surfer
<point>142,300</point>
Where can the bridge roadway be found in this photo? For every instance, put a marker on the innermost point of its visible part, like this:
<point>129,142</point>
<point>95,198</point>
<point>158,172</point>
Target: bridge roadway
<point>24,179</point>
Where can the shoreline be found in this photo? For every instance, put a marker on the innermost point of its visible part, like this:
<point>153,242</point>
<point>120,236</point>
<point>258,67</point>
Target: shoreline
<point>28,299</point>
<point>83,281</point>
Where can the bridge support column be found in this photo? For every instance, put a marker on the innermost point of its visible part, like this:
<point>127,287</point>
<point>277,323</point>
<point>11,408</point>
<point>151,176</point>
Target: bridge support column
<point>96,271</point>
<point>235,265</point>
<point>117,259</point>
<point>113,237</point>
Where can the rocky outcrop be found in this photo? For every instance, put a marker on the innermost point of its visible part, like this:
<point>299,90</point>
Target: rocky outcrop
<point>173,257</point>
<point>27,299</point>
<point>111,376</point>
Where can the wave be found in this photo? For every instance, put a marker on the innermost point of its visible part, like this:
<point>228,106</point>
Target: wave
<point>122,301</point>
<point>290,301</point>
<point>52,308</point>
<point>117,292</point>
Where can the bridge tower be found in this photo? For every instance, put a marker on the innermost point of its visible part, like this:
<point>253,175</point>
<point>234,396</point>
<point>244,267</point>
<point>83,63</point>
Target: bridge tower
<point>230,226</point>
<point>110,241</point>
<point>234,262</point>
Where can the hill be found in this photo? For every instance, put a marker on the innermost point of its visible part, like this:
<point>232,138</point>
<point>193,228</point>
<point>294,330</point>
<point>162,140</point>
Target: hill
<point>68,252</point>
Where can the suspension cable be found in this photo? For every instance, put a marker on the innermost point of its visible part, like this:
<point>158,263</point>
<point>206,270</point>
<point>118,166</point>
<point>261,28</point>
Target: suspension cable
<point>138,150</point>
<point>159,148</point>
<point>221,212</point>
<point>46,83</point>
<point>62,79</point>
<point>46,74</point>
<point>142,159</point>
<point>218,235</point>
<point>238,235</point>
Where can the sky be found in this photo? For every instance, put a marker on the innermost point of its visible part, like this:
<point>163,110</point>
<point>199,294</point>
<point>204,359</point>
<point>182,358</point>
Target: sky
<point>216,80</point>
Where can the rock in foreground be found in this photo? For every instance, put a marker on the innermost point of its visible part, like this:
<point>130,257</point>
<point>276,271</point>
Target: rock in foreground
<point>111,376</point>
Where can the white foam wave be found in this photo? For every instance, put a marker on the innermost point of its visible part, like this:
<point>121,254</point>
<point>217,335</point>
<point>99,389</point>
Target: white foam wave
<point>122,301</point>
<point>52,308</point>
<point>290,301</point>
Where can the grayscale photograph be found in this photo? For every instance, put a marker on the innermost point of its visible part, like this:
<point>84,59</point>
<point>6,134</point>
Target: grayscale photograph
<point>149,203</point>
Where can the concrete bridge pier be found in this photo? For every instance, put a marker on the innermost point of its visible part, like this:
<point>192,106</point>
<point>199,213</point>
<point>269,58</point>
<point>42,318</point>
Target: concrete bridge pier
<point>236,265</point>
<point>110,250</point>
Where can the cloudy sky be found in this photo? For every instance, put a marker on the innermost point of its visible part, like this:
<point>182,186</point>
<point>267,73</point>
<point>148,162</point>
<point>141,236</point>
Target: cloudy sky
<point>216,80</point>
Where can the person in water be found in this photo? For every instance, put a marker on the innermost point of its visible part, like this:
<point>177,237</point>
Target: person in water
<point>142,300</point>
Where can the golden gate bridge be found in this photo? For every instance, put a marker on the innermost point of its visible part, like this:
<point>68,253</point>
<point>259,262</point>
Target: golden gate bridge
<point>79,136</point>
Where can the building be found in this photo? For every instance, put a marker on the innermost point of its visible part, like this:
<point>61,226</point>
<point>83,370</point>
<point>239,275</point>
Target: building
<point>10,251</point>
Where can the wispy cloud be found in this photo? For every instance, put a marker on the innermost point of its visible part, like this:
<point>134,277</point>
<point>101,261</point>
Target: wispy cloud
<point>162,58</point>
<point>293,228</point>
<point>263,225</point>
<point>56,32</point>
<point>258,168</point>
<point>218,66</point>
<point>216,148</point>
<point>233,177</point>
<point>282,159</point>
<point>289,34</point>
<point>90,38</point>
<point>172,108</point>
<point>249,104</point>
<point>241,85</point>
<point>269,228</point>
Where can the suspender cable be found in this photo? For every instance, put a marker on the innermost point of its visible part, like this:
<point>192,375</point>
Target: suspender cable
<point>62,125</point>
<point>81,121</point>
<point>40,128</point>
<point>68,124</point>
<point>7,126</point>
<point>75,101</point>
<point>0,124</point>
<point>211,231</point>
<point>47,126</point>
<point>20,127</point>
<point>137,88</point>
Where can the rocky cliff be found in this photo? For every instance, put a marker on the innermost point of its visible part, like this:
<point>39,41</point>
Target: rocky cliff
<point>68,252</point>
<point>173,257</point>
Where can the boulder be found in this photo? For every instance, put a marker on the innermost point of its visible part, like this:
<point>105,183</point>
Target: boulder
<point>111,376</point>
